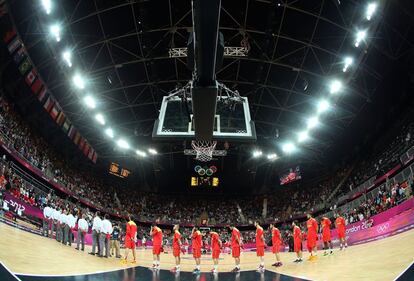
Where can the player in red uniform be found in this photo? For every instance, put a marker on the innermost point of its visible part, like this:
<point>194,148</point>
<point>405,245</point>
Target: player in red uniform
<point>297,241</point>
<point>326,235</point>
<point>196,245</point>
<point>130,239</point>
<point>156,234</point>
<point>276,242</point>
<point>236,243</point>
<point>215,249</point>
<point>312,226</point>
<point>340,226</point>
<point>260,245</point>
<point>176,248</point>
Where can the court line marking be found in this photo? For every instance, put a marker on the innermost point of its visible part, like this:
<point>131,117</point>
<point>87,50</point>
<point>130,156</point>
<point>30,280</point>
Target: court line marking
<point>14,275</point>
<point>404,270</point>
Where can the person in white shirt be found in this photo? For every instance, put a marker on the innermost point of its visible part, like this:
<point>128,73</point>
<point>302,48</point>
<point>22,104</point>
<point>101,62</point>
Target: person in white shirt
<point>63,222</point>
<point>96,229</point>
<point>56,216</point>
<point>70,224</point>
<point>105,236</point>
<point>47,212</point>
<point>82,230</point>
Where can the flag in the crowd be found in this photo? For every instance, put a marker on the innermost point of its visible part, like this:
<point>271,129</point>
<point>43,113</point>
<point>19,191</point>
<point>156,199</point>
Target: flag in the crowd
<point>54,112</point>
<point>76,138</point>
<point>37,85</point>
<point>14,44</point>
<point>86,149</point>
<point>81,143</point>
<point>19,55</point>
<point>61,118</point>
<point>66,126</point>
<point>95,157</point>
<point>90,154</point>
<point>48,104</point>
<point>71,132</point>
<point>8,36</point>
<point>42,93</point>
<point>30,77</point>
<point>25,66</point>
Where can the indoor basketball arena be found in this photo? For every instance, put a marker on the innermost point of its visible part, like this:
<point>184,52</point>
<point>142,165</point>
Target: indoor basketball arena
<point>161,140</point>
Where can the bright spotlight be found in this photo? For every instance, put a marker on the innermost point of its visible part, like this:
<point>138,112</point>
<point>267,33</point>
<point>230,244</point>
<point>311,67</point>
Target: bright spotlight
<point>360,36</point>
<point>303,136</point>
<point>78,81</point>
<point>109,133</point>
<point>323,106</point>
<point>90,102</point>
<point>288,147</point>
<point>141,153</point>
<point>99,117</point>
<point>67,57</point>
<point>335,86</point>
<point>257,153</point>
<point>122,144</point>
<point>313,122</point>
<point>272,156</point>
<point>47,5</point>
<point>55,30</point>
<point>152,151</point>
<point>372,7</point>
<point>347,63</point>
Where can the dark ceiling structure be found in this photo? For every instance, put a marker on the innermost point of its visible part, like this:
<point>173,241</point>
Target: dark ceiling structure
<point>294,49</point>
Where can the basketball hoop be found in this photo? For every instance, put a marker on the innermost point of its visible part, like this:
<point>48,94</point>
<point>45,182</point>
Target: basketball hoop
<point>204,149</point>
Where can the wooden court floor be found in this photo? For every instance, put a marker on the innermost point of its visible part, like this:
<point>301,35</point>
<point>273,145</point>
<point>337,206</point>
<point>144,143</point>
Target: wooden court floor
<point>385,259</point>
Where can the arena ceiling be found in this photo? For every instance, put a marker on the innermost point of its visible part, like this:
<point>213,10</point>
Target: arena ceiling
<point>295,49</point>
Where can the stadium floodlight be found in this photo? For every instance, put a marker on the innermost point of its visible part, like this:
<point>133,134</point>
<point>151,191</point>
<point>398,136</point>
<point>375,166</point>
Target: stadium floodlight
<point>288,147</point>
<point>272,156</point>
<point>122,144</point>
<point>360,36</point>
<point>55,31</point>
<point>67,57</point>
<point>109,132</point>
<point>90,102</point>
<point>141,153</point>
<point>303,136</point>
<point>47,5</point>
<point>323,105</point>
<point>313,122</point>
<point>348,61</point>
<point>257,153</point>
<point>335,86</point>
<point>371,8</point>
<point>78,81</point>
<point>152,151</point>
<point>99,117</point>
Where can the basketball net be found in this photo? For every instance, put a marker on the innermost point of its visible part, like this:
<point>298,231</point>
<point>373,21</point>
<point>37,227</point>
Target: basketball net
<point>204,149</point>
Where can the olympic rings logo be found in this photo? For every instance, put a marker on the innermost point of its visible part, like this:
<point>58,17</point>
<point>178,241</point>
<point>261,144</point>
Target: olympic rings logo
<point>383,228</point>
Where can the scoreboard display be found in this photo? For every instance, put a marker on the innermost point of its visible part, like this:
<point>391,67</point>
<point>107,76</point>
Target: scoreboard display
<point>116,170</point>
<point>291,175</point>
<point>205,177</point>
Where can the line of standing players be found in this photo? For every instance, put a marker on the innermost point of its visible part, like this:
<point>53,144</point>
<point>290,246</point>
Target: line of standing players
<point>237,242</point>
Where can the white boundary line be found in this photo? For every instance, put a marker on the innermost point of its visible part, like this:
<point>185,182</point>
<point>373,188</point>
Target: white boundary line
<point>399,275</point>
<point>13,274</point>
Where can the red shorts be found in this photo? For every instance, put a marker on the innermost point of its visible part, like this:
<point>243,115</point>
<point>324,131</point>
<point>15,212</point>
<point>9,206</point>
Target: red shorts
<point>276,248</point>
<point>326,236</point>
<point>341,234</point>
<point>156,250</point>
<point>176,252</point>
<point>196,253</point>
<point>260,251</point>
<point>311,241</point>
<point>129,244</point>
<point>235,252</point>
<point>297,245</point>
<point>215,254</point>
